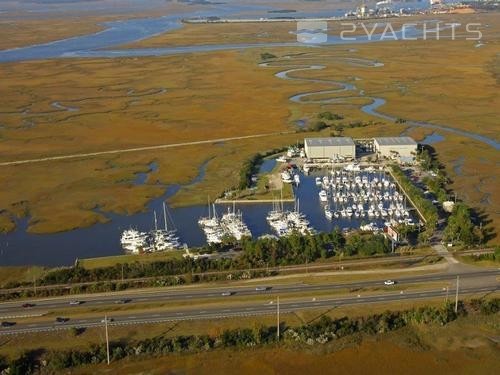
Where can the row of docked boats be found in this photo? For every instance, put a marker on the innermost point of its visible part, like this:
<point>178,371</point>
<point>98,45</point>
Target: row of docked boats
<point>352,193</point>
<point>284,222</point>
<point>230,225</point>
<point>158,239</point>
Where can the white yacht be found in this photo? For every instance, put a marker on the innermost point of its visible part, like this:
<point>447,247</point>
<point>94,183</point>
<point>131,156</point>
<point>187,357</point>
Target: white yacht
<point>134,241</point>
<point>323,196</point>
<point>296,179</point>
<point>286,177</point>
<point>328,213</point>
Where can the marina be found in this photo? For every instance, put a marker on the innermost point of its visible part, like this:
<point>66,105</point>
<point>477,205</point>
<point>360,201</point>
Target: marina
<point>308,214</point>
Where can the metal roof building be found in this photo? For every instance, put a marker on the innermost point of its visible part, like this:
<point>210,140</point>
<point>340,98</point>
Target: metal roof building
<point>330,148</point>
<point>394,147</point>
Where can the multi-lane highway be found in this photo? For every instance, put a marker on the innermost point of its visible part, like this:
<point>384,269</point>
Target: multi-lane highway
<point>482,281</point>
<point>249,309</point>
<point>8,309</point>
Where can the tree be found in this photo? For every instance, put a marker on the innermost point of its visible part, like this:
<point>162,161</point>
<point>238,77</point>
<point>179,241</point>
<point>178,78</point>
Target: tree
<point>339,128</point>
<point>318,125</point>
<point>460,226</point>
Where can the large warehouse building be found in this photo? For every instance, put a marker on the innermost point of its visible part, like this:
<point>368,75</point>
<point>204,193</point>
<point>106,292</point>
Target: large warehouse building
<point>396,147</point>
<point>330,148</point>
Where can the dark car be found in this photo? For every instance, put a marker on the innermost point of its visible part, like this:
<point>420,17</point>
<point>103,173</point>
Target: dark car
<point>262,288</point>
<point>28,305</point>
<point>7,324</point>
<point>60,319</point>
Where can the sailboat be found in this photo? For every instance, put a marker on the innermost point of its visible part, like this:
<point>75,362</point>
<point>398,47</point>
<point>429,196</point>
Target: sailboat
<point>162,238</point>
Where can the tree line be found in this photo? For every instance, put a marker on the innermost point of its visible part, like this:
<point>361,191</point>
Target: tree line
<point>424,205</point>
<point>321,331</point>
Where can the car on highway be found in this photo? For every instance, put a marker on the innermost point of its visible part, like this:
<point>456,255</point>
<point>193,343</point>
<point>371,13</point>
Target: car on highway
<point>262,288</point>
<point>109,320</point>
<point>123,301</point>
<point>226,294</point>
<point>389,282</point>
<point>28,305</point>
<point>7,324</point>
<point>72,303</point>
<point>60,319</point>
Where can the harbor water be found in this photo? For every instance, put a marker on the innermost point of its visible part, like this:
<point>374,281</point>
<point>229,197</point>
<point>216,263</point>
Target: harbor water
<point>58,249</point>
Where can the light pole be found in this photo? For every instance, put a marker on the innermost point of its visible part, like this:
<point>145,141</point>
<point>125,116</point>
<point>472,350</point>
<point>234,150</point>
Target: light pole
<point>456,295</point>
<point>278,319</point>
<point>107,337</point>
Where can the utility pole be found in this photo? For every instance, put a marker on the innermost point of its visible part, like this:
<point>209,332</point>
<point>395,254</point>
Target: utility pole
<point>122,272</point>
<point>34,285</point>
<point>107,337</point>
<point>456,295</point>
<point>447,290</point>
<point>278,319</point>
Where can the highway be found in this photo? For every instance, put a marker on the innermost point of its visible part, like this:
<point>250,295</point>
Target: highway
<point>250,309</point>
<point>10,309</point>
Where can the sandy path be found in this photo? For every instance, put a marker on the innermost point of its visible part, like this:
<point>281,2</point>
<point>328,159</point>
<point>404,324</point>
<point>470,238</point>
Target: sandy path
<point>136,149</point>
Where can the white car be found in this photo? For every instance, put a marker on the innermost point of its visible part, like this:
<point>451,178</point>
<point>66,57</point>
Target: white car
<point>226,294</point>
<point>389,282</point>
<point>261,288</point>
<point>75,302</point>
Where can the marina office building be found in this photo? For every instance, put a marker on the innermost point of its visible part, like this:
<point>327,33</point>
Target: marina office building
<point>330,148</point>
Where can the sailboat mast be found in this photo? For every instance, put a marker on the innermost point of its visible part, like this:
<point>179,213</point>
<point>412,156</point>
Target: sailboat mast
<point>165,215</point>
<point>281,201</point>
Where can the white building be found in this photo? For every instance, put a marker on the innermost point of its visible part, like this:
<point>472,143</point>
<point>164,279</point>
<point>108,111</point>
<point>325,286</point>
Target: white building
<point>401,148</point>
<point>330,148</point>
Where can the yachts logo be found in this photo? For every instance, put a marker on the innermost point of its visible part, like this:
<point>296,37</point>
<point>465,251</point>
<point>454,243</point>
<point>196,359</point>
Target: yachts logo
<point>312,32</point>
<point>408,31</point>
